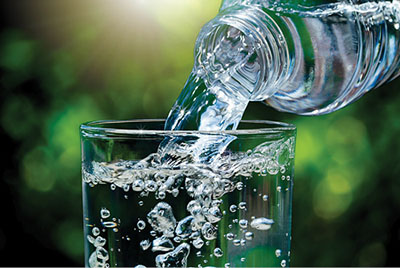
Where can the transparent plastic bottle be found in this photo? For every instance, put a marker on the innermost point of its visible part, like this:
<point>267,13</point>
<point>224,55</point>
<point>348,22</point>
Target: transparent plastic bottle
<point>304,57</point>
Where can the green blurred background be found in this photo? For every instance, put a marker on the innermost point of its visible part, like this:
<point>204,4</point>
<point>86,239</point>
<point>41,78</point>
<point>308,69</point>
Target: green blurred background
<point>66,62</point>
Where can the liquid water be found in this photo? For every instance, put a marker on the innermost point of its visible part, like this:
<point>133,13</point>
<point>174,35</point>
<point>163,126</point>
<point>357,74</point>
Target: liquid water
<point>144,214</point>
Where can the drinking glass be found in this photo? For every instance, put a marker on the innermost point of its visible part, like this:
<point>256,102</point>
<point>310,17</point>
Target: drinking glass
<point>187,198</point>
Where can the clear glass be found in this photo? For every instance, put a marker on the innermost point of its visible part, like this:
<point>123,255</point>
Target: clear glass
<point>141,208</point>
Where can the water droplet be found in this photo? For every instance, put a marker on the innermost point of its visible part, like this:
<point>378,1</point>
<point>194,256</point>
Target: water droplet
<point>95,231</point>
<point>261,223</point>
<point>243,259</point>
<point>227,265</point>
<point>115,230</point>
<point>141,225</point>
<point>233,208</point>
<point>140,203</point>
<point>242,205</point>
<point>243,223</point>
<point>283,263</point>
<point>145,244</point>
<point>198,243</point>
<point>218,252</point>
<point>105,213</point>
<point>279,189</point>
<point>113,187</point>
<point>283,169</point>
<point>249,235</point>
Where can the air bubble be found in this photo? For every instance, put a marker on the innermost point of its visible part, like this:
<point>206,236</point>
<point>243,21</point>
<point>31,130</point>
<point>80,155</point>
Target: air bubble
<point>141,225</point>
<point>242,259</point>
<point>261,224</point>
<point>243,223</point>
<point>218,252</point>
<point>137,185</point>
<point>145,244</point>
<point>109,224</point>
<point>242,205</point>
<point>283,263</point>
<point>249,235</point>
<point>239,186</point>
<point>230,236</point>
<point>140,203</point>
<point>279,189</point>
<point>278,253</point>
<point>126,187</point>
<point>105,213</point>
<point>236,242</point>
<point>198,243</point>
<point>265,197</point>
<point>113,187</point>
<point>99,242</point>
<point>95,231</point>
<point>233,208</point>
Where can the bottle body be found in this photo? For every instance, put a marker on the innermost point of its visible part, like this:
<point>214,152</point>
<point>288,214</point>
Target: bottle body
<point>302,59</point>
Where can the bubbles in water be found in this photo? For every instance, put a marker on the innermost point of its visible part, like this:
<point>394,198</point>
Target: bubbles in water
<point>230,236</point>
<point>218,252</point>
<point>150,186</point>
<point>242,205</point>
<point>279,189</point>
<point>113,187</point>
<point>265,197</point>
<point>140,266</point>
<point>239,185</point>
<point>105,213</point>
<point>198,242</point>
<point>233,208</point>
<point>162,244</point>
<point>249,235</point>
<point>227,265</point>
<point>162,219</point>
<point>141,224</point>
<point>243,223</point>
<point>236,242</point>
<point>99,242</point>
<point>209,231</point>
<point>283,263</point>
<point>175,258</point>
<point>214,214</point>
<point>184,227</point>
<point>140,203</point>
<point>242,259</point>
<point>95,231</point>
<point>138,185</point>
<point>145,244</point>
<point>90,239</point>
<point>109,224</point>
<point>278,253</point>
<point>101,253</point>
<point>261,223</point>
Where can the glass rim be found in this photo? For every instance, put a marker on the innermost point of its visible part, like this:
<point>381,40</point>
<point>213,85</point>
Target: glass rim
<point>97,127</point>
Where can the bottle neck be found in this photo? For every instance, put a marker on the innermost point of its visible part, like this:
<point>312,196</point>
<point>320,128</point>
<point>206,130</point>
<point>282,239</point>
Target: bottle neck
<point>244,51</point>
